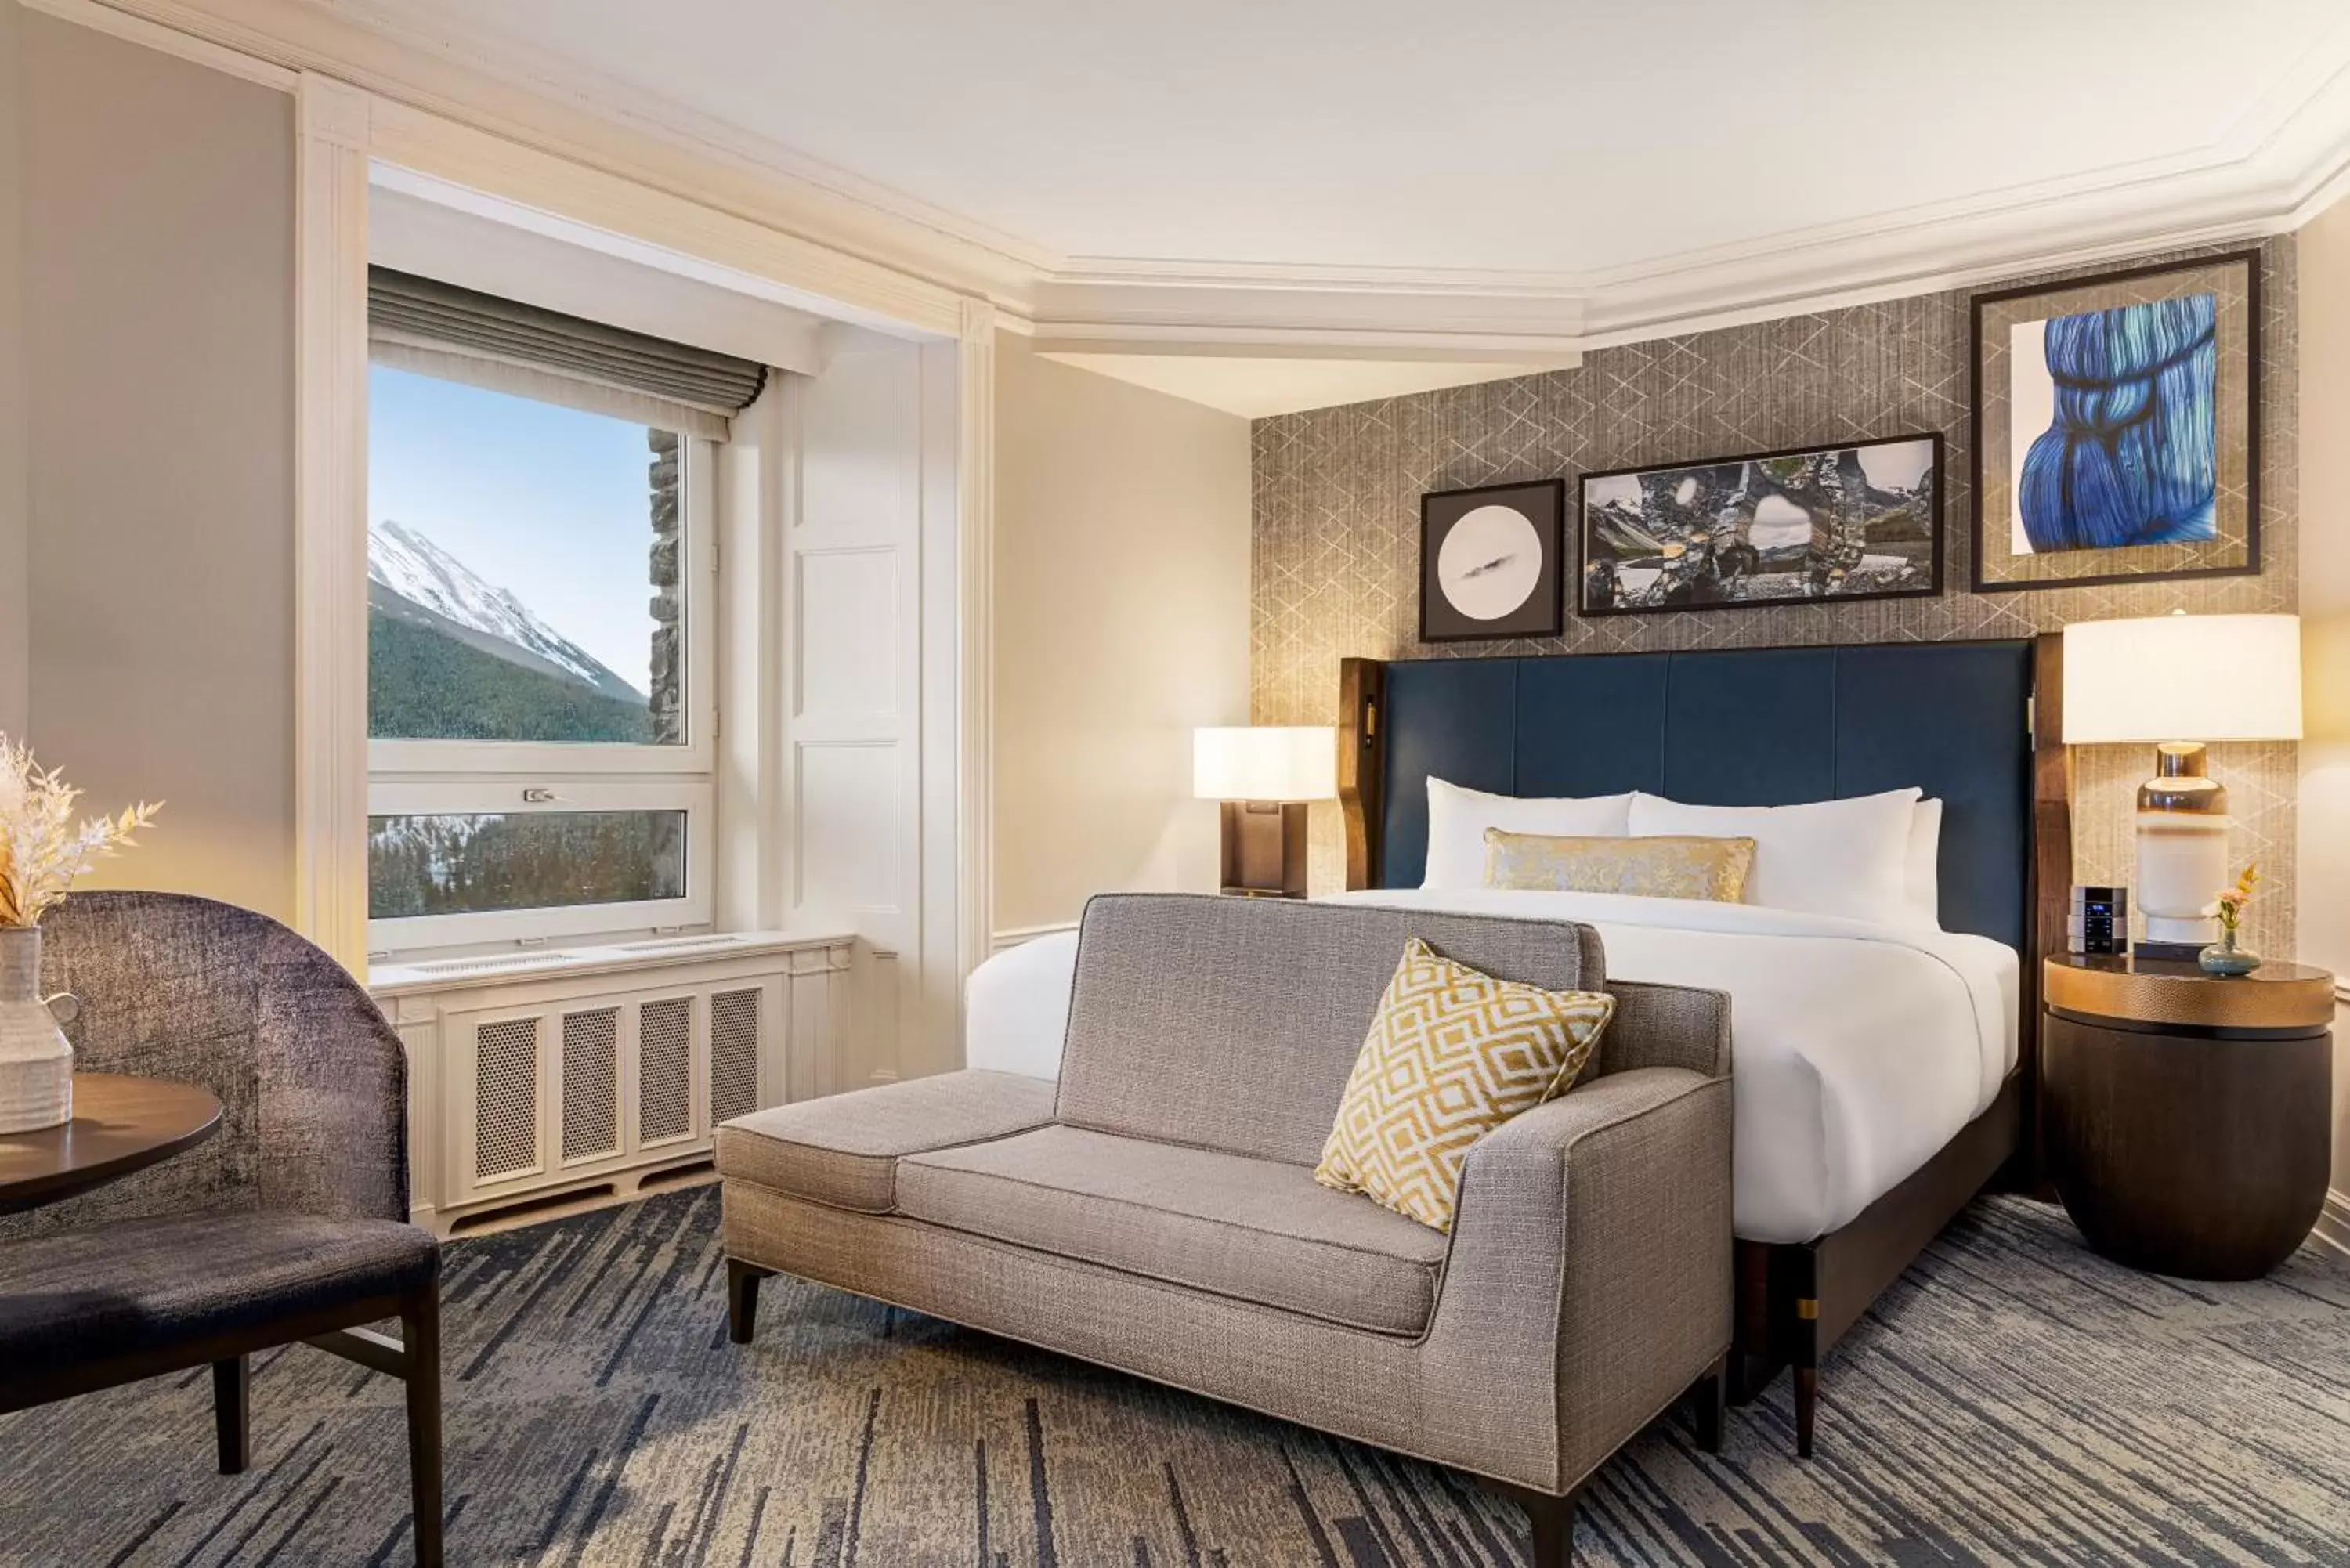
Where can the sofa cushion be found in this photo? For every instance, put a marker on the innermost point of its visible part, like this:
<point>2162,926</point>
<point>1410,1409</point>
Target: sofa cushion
<point>1233,1023</point>
<point>1256,1229</point>
<point>139,1284</point>
<point>843,1149</point>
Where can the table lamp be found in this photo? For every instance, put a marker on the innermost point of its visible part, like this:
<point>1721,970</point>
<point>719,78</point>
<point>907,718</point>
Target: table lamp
<point>1264,775</point>
<point>2179,681</point>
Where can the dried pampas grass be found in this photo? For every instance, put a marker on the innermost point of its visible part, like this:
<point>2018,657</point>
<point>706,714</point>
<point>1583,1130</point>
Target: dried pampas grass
<point>42,849</point>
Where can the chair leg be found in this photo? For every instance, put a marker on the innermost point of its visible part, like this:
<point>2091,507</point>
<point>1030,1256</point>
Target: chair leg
<point>419,1332</point>
<point>743,1298</point>
<point>1708,1396</point>
<point>233,1413</point>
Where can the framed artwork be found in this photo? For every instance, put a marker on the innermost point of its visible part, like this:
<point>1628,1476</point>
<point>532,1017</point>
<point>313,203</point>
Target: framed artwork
<point>1489,561</point>
<point>2117,427</point>
<point>1813,523</point>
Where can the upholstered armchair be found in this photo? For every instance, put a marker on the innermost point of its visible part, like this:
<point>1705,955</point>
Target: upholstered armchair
<point>288,1224</point>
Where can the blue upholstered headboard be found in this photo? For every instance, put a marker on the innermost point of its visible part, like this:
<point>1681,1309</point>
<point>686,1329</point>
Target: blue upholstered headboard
<point>1734,727</point>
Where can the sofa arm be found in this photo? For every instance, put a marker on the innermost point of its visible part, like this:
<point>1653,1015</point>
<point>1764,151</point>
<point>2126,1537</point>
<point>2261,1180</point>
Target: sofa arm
<point>1664,1026</point>
<point>1617,1194</point>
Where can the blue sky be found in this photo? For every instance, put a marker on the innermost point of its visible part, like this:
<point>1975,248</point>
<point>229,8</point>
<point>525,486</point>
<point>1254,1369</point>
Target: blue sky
<point>547,501</point>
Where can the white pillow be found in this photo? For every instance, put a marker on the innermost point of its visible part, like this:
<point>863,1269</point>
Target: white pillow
<point>1458,819</point>
<point>1926,863</point>
<point>1848,858</point>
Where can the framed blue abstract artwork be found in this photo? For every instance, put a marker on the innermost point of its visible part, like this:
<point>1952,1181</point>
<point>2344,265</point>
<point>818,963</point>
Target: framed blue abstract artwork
<point>2116,427</point>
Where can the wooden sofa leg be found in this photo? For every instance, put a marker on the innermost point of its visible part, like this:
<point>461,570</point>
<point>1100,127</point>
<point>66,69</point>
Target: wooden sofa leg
<point>1708,1396</point>
<point>419,1332</point>
<point>233,1413</point>
<point>1551,1519</point>
<point>743,1298</point>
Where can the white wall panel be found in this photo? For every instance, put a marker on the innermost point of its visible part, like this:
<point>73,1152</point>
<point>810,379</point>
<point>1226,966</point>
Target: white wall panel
<point>861,425</point>
<point>850,818</point>
<point>848,605</point>
<point>871,660</point>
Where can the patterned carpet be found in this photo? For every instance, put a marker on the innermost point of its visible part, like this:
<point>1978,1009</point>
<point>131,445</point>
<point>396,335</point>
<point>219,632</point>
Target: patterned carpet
<point>2016,1400</point>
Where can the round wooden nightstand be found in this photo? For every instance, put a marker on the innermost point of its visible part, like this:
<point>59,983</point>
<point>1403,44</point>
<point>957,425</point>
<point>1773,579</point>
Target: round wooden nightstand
<point>2187,1119</point>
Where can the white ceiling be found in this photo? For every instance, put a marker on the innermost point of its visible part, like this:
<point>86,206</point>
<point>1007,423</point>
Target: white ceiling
<point>1488,182</point>
<point>1523,136</point>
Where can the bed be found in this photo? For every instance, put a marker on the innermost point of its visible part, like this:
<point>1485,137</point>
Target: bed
<point>1883,1068</point>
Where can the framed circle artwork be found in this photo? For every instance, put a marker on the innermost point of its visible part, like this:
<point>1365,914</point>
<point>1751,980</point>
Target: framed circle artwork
<point>1488,562</point>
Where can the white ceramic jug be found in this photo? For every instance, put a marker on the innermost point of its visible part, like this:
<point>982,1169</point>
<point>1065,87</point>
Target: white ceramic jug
<point>36,1059</point>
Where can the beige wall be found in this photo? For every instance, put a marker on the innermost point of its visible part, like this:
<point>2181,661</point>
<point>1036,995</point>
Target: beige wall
<point>2325,628</point>
<point>159,286</point>
<point>15,651</point>
<point>1122,624</point>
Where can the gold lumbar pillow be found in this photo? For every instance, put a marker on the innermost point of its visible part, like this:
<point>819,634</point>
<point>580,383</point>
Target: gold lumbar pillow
<point>1451,1055</point>
<point>1669,868</point>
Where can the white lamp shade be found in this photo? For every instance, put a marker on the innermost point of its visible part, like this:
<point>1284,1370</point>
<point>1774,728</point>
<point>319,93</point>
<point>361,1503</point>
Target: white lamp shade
<point>2183,678</point>
<point>1265,763</point>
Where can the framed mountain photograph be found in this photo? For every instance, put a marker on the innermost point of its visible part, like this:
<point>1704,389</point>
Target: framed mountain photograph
<point>1800,526</point>
<point>2116,427</point>
<point>1489,561</point>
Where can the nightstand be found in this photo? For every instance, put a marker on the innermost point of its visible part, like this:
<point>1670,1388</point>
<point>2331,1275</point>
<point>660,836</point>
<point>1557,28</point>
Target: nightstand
<point>2186,1119</point>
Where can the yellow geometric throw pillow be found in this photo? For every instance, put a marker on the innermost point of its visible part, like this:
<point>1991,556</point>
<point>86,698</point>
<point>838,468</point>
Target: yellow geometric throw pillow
<point>1451,1055</point>
<point>1663,867</point>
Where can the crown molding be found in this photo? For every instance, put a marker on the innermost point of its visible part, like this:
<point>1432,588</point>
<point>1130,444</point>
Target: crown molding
<point>2280,166</point>
<point>535,110</point>
<point>517,63</point>
<point>138,30</point>
<point>2283,162</point>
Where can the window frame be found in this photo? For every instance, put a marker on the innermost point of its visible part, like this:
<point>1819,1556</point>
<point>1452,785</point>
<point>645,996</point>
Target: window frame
<point>696,754</point>
<point>414,933</point>
<point>427,777</point>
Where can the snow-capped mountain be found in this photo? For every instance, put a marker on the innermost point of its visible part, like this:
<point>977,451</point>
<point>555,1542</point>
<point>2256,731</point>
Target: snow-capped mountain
<point>409,567</point>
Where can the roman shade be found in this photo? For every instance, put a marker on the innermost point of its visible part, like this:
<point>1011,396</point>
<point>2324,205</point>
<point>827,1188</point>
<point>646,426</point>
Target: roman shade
<point>438,329</point>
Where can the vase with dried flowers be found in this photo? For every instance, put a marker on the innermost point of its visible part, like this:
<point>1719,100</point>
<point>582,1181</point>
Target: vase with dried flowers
<point>42,850</point>
<point>2225,956</point>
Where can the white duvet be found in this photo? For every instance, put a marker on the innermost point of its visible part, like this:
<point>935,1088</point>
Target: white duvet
<point>1859,1049</point>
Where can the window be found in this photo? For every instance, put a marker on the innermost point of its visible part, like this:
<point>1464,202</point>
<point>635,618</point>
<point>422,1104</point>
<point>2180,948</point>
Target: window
<point>540,702</point>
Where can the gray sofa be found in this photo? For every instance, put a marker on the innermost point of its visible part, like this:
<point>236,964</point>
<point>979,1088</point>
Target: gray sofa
<point>1155,1211</point>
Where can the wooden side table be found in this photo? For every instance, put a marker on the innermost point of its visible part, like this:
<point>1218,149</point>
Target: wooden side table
<point>119,1124</point>
<point>2187,1119</point>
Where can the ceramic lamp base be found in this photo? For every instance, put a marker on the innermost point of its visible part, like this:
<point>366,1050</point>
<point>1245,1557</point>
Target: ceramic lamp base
<point>2182,848</point>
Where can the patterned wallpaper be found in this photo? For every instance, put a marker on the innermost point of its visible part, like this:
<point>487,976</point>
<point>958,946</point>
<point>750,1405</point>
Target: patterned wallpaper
<point>1338,492</point>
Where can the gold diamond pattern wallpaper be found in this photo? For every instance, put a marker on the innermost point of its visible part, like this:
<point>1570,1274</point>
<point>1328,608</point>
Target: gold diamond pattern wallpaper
<point>1336,566</point>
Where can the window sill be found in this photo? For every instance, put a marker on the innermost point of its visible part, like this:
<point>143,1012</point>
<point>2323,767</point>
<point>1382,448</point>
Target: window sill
<point>389,981</point>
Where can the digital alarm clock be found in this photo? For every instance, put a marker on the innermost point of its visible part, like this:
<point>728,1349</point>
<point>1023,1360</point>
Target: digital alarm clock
<point>2098,921</point>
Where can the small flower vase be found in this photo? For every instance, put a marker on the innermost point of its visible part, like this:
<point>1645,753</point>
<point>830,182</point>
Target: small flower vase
<point>2225,958</point>
<point>36,1059</point>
